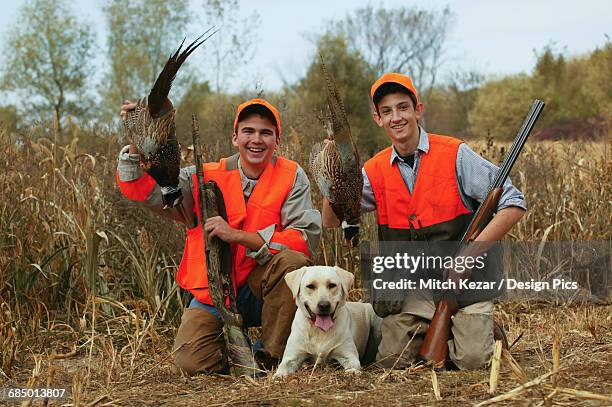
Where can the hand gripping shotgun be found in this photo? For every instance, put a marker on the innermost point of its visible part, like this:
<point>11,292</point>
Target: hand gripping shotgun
<point>237,351</point>
<point>435,348</point>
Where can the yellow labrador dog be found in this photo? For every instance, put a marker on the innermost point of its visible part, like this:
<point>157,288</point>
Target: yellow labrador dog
<point>325,325</point>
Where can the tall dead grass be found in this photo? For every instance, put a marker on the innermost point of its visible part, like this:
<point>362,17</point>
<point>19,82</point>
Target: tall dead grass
<point>84,271</point>
<point>68,241</point>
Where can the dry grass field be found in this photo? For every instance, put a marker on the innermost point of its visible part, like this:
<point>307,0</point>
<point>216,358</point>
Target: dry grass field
<point>88,300</point>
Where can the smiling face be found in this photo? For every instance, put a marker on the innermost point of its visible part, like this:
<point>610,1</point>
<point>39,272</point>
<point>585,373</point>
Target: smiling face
<point>398,116</point>
<point>320,291</point>
<point>256,139</point>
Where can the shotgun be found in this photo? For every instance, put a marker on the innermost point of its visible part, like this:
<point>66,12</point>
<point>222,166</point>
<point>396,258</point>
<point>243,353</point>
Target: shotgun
<point>434,349</point>
<point>237,351</point>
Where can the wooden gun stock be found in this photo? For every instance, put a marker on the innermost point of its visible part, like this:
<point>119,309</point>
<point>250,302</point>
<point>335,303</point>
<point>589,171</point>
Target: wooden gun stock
<point>237,350</point>
<point>434,349</point>
<point>435,345</point>
<point>482,218</point>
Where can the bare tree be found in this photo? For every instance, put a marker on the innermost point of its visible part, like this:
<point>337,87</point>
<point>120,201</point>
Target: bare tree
<point>142,35</point>
<point>407,40</point>
<point>235,42</point>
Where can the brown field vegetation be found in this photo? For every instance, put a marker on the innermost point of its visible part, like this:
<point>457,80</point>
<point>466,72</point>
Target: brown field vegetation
<point>88,299</point>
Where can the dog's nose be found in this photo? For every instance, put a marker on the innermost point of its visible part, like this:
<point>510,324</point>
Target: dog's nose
<point>324,307</point>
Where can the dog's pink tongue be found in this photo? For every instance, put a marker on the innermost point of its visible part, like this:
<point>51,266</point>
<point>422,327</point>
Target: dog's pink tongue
<point>324,322</point>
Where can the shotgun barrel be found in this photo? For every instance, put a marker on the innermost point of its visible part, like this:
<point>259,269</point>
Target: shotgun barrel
<point>434,349</point>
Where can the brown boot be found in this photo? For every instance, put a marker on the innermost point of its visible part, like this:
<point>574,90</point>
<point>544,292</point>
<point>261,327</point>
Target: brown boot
<point>500,335</point>
<point>265,360</point>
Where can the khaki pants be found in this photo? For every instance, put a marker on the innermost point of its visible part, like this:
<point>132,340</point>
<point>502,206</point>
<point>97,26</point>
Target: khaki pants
<point>199,341</point>
<point>470,348</point>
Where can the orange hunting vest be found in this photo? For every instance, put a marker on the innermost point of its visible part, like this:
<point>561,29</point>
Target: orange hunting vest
<point>434,210</point>
<point>262,210</point>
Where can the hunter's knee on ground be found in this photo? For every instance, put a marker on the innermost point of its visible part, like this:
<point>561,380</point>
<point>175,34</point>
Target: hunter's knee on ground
<point>198,346</point>
<point>470,348</point>
<point>402,336</point>
<point>472,344</point>
<point>267,283</point>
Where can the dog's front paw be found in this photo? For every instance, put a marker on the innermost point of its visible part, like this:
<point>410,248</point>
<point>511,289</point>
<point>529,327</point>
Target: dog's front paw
<point>353,370</point>
<point>280,373</point>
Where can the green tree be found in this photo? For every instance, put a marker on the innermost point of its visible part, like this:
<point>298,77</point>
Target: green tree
<point>142,35</point>
<point>49,61</point>
<point>353,77</point>
<point>9,119</point>
<point>587,90</point>
<point>549,81</point>
<point>192,102</point>
<point>596,81</point>
<point>449,105</point>
<point>577,92</point>
<point>501,106</point>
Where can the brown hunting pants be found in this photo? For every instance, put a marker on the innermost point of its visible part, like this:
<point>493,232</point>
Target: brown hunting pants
<point>470,348</point>
<point>199,341</point>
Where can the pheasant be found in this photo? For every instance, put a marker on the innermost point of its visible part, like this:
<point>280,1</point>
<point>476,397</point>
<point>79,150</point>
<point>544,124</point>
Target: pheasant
<point>150,126</point>
<point>336,167</point>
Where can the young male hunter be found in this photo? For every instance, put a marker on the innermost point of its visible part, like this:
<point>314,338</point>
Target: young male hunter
<point>272,229</point>
<point>426,187</point>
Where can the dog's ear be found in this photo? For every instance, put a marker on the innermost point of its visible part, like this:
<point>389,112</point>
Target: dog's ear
<point>347,279</point>
<point>294,279</point>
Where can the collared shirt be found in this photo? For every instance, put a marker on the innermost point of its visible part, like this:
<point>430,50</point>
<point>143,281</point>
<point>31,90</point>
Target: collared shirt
<point>297,211</point>
<point>475,176</point>
<point>248,184</point>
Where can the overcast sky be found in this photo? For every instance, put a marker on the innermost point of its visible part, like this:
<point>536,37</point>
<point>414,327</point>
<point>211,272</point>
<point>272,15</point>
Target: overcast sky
<point>494,37</point>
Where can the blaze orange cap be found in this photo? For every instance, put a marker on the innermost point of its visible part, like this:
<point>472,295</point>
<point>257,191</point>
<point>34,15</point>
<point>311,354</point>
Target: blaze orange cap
<point>263,103</point>
<point>393,77</point>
